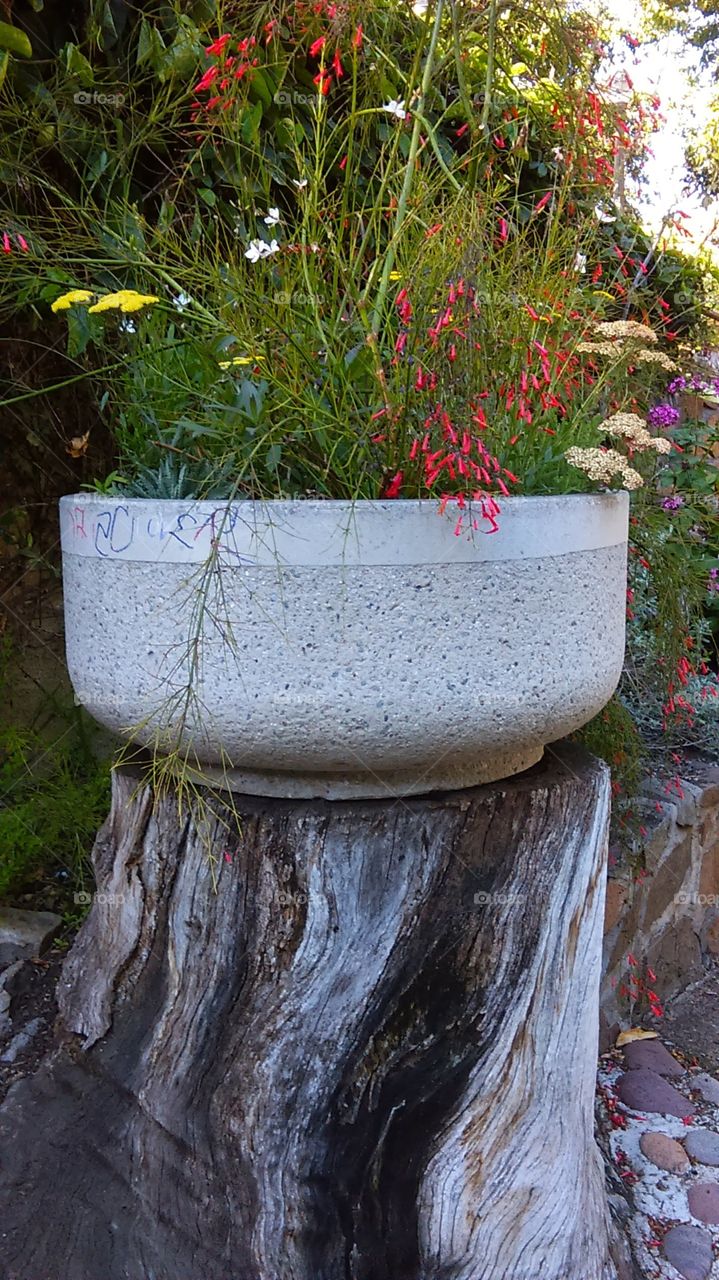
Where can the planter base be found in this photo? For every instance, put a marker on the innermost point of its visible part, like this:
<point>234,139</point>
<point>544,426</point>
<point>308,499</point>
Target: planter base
<point>371,785</point>
<point>311,1041</point>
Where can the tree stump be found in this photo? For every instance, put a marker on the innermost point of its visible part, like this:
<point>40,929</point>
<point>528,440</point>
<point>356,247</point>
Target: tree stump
<point>309,1040</point>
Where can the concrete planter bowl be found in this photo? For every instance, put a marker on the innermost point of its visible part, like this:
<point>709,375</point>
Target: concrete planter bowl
<point>341,649</point>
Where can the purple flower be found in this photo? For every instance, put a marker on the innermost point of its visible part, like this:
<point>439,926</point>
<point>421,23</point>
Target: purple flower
<point>663,415</point>
<point>713,583</point>
<point>677,384</point>
<point>673,504</point>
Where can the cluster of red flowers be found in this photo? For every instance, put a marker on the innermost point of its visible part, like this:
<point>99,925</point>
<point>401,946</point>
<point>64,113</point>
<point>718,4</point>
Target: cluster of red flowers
<point>638,988</point>
<point>7,242</point>
<point>446,457</point>
<point>236,61</point>
<point>233,62</point>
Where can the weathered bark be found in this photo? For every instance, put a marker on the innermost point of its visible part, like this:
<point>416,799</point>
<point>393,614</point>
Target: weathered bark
<point>331,1041</point>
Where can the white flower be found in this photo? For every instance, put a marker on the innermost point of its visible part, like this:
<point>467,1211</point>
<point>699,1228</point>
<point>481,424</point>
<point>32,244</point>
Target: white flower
<point>300,183</point>
<point>580,263</point>
<point>260,249</point>
<point>182,300</point>
<point>603,215</point>
<point>256,250</point>
<point>273,217</point>
<point>558,154</point>
<point>396,108</point>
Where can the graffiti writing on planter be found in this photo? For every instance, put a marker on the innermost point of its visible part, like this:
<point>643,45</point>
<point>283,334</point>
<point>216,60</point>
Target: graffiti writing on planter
<point>118,529</point>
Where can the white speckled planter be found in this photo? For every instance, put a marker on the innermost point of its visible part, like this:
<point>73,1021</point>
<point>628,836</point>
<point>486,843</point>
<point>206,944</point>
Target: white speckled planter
<point>345,649</point>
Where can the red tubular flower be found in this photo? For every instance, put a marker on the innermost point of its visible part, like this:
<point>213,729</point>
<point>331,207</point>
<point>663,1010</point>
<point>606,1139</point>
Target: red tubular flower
<point>6,246</point>
<point>209,77</point>
<point>393,487</point>
<point>357,38</point>
<point>317,45</point>
<point>323,80</point>
<point>23,244</point>
<point>337,65</point>
<point>218,46</point>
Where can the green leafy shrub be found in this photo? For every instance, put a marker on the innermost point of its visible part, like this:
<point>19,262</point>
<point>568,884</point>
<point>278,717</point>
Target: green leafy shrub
<point>53,797</point>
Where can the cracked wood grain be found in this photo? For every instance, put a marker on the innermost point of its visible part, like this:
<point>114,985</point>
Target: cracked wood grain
<point>337,1041</point>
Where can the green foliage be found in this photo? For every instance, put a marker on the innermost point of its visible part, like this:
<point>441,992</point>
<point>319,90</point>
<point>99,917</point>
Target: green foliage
<point>54,794</point>
<point>614,736</point>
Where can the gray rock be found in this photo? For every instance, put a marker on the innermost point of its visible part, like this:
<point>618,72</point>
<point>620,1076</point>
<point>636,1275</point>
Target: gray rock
<point>21,1041</point>
<point>24,934</point>
<point>644,1090</point>
<point>664,1152</point>
<point>703,1145</point>
<point>652,1054</point>
<point>707,1086</point>
<point>703,1200</point>
<point>689,1250</point>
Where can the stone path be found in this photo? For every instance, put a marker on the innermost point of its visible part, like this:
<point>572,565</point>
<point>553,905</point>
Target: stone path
<point>658,1123</point>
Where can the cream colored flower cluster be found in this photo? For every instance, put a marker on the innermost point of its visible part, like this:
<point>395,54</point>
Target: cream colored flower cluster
<point>603,465</point>
<point>598,348</point>
<point>626,329</point>
<point>657,357</point>
<point>633,429</point>
<point>612,334</point>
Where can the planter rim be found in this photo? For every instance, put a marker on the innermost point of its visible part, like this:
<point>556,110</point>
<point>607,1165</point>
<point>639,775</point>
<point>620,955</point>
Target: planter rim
<point>297,532</point>
<point>387,504</point>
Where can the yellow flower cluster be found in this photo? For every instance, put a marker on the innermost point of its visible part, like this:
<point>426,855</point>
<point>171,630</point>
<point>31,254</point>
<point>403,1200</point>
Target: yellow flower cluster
<point>626,329</point>
<point>240,360</point>
<point>69,299</point>
<point>657,357</point>
<point>633,429</point>
<point>124,300</point>
<point>603,465</point>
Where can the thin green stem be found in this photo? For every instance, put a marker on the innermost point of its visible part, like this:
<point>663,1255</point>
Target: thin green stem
<point>378,312</point>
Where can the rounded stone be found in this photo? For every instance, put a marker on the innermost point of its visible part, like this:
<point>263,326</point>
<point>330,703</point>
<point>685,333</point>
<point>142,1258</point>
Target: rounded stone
<point>703,1200</point>
<point>689,1250</point>
<point>346,648</point>
<point>644,1090</point>
<point>707,1086</point>
<point>664,1152</point>
<point>652,1054</point>
<point>703,1145</point>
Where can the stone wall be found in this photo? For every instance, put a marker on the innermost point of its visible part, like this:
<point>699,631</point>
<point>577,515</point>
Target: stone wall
<point>662,922</point>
